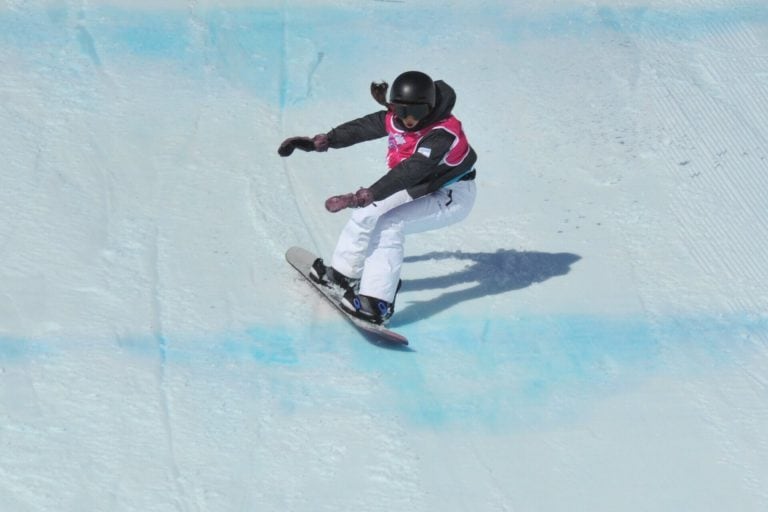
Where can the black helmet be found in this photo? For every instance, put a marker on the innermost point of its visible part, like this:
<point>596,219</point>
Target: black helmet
<point>413,87</point>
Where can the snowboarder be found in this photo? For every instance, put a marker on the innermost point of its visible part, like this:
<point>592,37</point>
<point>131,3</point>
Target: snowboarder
<point>429,185</point>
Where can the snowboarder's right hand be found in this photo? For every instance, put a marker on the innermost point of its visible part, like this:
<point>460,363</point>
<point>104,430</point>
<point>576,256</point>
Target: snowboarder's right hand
<point>317,143</point>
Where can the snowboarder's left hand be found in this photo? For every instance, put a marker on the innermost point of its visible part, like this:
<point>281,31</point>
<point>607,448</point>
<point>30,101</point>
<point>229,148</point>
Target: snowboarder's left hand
<point>359,199</point>
<point>317,143</point>
<point>379,92</point>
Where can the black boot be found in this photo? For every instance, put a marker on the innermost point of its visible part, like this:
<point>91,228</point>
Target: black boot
<point>321,274</point>
<point>370,309</point>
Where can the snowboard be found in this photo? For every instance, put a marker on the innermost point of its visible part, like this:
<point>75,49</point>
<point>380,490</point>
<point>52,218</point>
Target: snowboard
<point>302,260</point>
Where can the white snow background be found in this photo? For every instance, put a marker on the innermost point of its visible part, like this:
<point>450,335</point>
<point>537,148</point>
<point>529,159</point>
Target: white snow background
<point>593,338</point>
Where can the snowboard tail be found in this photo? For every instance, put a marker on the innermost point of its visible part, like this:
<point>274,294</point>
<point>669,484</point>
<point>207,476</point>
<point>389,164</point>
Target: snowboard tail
<point>302,260</point>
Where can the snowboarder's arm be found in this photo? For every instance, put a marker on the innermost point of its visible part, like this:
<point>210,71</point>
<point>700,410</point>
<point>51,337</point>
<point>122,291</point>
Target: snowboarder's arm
<point>358,130</point>
<point>365,128</point>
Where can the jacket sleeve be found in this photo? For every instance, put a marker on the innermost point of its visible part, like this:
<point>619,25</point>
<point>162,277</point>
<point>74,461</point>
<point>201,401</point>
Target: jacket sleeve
<point>423,167</point>
<point>365,128</point>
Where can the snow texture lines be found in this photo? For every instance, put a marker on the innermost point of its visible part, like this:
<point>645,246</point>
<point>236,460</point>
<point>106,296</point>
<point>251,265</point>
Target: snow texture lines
<point>593,337</point>
<point>164,397</point>
<point>717,154</point>
<point>87,43</point>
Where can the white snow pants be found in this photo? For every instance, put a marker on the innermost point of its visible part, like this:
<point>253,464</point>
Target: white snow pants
<point>370,246</point>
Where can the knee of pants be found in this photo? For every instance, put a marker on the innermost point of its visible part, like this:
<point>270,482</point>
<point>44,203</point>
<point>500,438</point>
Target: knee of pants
<point>365,218</point>
<point>389,232</point>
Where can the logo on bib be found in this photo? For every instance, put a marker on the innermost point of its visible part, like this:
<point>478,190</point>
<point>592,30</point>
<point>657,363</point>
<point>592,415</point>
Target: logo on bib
<point>395,140</point>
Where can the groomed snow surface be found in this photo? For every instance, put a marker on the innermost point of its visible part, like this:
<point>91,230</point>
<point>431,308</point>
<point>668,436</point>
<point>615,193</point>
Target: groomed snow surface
<point>593,338</point>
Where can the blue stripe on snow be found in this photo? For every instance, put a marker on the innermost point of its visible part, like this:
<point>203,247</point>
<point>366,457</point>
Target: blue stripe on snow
<point>17,349</point>
<point>272,51</point>
<point>492,373</point>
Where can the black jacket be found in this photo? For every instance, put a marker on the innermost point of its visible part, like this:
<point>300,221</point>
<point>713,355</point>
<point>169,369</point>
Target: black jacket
<point>418,175</point>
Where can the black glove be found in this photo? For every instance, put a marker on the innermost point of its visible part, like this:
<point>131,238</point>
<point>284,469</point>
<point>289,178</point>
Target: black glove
<point>359,199</point>
<point>379,93</point>
<point>317,143</point>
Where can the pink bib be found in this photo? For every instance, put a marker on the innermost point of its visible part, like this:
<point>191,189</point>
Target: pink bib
<point>402,144</point>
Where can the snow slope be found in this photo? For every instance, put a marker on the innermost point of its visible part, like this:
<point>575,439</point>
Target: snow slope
<point>594,337</point>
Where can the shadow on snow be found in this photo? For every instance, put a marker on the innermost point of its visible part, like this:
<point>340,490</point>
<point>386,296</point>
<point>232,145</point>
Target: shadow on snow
<point>493,272</point>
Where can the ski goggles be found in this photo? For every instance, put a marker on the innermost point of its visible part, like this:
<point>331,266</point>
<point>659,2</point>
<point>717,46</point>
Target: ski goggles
<point>416,110</point>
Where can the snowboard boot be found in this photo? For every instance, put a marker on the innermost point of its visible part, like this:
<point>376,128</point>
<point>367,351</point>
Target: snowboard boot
<point>321,274</point>
<point>370,309</point>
